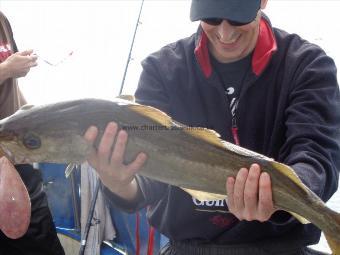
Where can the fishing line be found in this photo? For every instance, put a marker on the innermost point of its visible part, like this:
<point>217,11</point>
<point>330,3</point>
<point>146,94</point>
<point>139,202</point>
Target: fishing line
<point>131,47</point>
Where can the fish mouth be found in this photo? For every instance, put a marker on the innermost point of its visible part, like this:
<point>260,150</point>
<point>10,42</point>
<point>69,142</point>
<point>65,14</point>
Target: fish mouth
<point>5,135</point>
<point>7,140</point>
<point>15,158</point>
<point>7,153</point>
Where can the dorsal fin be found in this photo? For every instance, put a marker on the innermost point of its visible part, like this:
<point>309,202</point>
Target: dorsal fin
<point>289,172</point>
<point>130,98</point>
<point>301,219</point>
<point>244,152</point>
<point>207,135</point>
<point>153,113</point>
<point>26,107</point>
<point>162,118</point>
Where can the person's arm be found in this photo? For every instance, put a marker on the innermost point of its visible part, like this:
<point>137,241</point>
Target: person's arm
<point>4,74</point>
<point>17,65</point>
<point>122,186</point>
<point>312,146</point>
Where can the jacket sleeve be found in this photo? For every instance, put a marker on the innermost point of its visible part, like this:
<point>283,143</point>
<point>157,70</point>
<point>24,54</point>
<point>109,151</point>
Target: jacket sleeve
<point>150,91</point>
<point>312,144</point>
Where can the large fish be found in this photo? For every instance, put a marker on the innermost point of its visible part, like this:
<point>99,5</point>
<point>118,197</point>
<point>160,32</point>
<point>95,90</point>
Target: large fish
<point>195,159</point>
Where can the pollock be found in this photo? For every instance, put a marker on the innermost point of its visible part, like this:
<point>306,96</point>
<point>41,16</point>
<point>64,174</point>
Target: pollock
<point>195,159</point>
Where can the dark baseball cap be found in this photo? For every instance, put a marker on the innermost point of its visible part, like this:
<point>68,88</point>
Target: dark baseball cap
<point>243,11</point>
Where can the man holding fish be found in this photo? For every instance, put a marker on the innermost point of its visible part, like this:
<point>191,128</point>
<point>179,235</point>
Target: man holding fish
<point>258,87</point>
<point>41,236</point>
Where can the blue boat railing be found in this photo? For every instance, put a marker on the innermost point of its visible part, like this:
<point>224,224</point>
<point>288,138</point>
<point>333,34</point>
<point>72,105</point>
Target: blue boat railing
<point>64,204</point>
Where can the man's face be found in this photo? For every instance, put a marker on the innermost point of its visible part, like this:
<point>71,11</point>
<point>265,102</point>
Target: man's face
<point>230,43</point>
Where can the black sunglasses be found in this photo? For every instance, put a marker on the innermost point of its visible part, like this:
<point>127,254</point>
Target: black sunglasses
<point>218,21</point>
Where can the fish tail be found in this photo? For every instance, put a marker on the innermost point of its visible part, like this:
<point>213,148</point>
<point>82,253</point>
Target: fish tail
<point>334,242</point>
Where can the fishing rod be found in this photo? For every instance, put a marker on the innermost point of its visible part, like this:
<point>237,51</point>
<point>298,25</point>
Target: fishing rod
<point>131,47</point>
<point>97,187</point>
<point>89,220</point>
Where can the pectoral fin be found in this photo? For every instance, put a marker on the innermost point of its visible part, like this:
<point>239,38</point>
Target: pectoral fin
<point>26,107</point>
<point>288,171</point>
<point>130,98</point>
<point>150,112</point>
<point>301,219</point>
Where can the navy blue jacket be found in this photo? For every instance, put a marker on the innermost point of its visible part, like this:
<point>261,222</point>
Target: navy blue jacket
<point>288,110</point>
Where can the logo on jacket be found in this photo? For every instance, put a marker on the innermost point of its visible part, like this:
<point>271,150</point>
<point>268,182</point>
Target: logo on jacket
<point>220,215</point>
<point>222,221</point>
<point>211,206</point>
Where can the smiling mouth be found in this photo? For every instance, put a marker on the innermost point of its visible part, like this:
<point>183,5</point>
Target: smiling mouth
<point>230,43</point>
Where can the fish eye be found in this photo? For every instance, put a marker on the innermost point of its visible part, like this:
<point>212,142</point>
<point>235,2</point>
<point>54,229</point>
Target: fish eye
<point>31,141</point>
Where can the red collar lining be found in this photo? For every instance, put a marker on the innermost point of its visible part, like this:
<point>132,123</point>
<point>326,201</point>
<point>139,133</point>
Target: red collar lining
<point>265,47</point>
<point>202,55</point>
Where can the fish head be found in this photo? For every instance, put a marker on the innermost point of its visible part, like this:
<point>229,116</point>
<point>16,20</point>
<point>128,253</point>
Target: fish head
<point>54,132</point>
<point>26,140</point>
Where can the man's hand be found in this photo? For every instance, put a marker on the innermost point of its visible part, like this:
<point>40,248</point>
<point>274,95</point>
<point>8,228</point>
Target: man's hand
<point>250,194</point>
<point>114,174</point>
<point>18,64</point>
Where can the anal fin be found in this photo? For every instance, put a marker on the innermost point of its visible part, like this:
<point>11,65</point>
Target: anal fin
<point>301,219</point>
<point>204,196</point>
